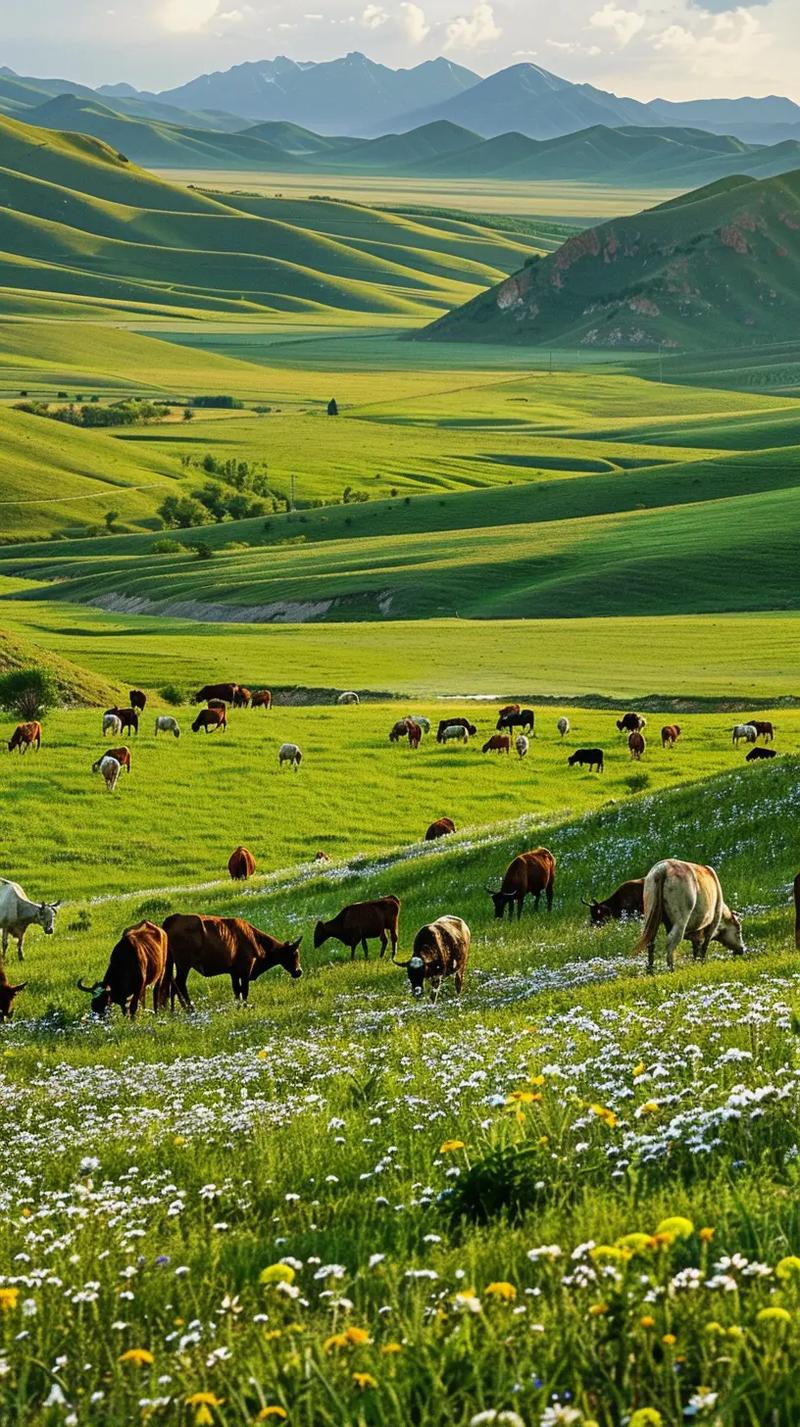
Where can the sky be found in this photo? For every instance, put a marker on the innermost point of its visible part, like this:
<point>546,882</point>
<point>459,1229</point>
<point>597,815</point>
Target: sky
<point>674,49</point>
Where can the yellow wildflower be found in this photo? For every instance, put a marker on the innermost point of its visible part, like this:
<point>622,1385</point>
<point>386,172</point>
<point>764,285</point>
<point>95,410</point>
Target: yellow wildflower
<point>706,1234</point>
<point>715,1328</point>
<point>179,1140</point>
<point>544,1140</point>
<point>639,1069</point>
<point>363,1380</point>
<point>647,1321</point>
<point>8,1299</point>
<point>636,1243</point>
<point>267,1412</point>
<point>788,1268</point>
<point>203,1416</point>
<point>262,1055</point>
<point>204,1399</point>
<point>523,1097</point>
<point>603,1113</point>
<point>669,1340</point>
<point>646,1417</point>
<point>389,1348</point>
<point>773,1314</point>
<point>140,1357</point>
<point>356,1337</point>
<point>277,1273</point>
<point>677,1227</point>
<point>597,1310</point>
<point>536,1080</point>
<point>506,1292</point>
<point>650,1107</point>
<point>610,1251</point>
<point>450,1145</point>
<point>273,1333</point>
<point>735,1331</point>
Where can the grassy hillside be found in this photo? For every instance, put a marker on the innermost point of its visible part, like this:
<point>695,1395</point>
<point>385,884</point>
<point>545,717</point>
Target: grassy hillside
<point>719,267</point>
<point>76,685</point>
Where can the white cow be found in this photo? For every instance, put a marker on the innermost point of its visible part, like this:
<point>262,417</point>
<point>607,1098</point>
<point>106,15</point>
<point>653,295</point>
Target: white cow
<point>563,725</point>
<point>454,733</point>
<point>17,913</point>
<point>165,723</point>
<point>289,753</point>
<point>111,724</point>
<point>747,731</point>
<point>686,898</point>
<point>522,745</point>
<point>349,697</point>
<point>110,769</point>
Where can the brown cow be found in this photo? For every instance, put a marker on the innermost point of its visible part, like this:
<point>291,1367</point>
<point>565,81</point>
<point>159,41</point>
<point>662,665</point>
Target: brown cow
<point>241,864</point>
<point>441,949</point>
<point>797,911</point>
<point>25,736</point>
<point>670,734</point>
<point>122,755</point>
<point>414,733</point>
<point>226,692</point>
<point>128,719</point>
<point>262,699</point>
<point>626,901</point>
<point>361,921</point>
<point>631,723</point>
<point>209,719</point>
<point>223,946</point>
<point>321,857</point>
<point>637,745</point>
<point>7,994</point>
<point>529,874</point>
<point>498,743</point>
<point>137,700</point>
<point>441,828</point>
<point>764,729</point>
<point>242,698</point>
<point>138,960</point>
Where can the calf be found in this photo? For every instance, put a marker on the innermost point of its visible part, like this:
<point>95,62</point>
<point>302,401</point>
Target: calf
<point>563,725</point>
<point>209,719</point>
<point>522,745</point>
<point>670,734</point>
<point>757,753</point>
<point>138,961</point>
<point>7,994</point>
<point>627,901</point>
<point>637,745</point>
<point>631,723</point>
<point>441,828</point>
<point>226,692</point>
<point>454,722</point>
<point>25,736</point>
<point>454,733</point>
<point>441,949</point>
<point>137,700</point>
<point>498,743</point>
<point>241,864</point>
<point>110,769</point>
<point>591,758</point>
<point>686,898</point>
<point>223,946</point>
<point>360,922</point>
<point>262,699</point>
<point>122,756</point>
<point>165,723</point>
<point>291,754</point>
<point>530,874</point>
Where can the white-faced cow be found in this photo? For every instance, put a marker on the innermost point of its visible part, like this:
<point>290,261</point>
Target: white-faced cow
<point>440,950</point>
<point>18,912</point>
<point>686,898</point>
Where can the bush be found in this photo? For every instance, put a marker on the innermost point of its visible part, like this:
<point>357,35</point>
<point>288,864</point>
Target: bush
<point>172,695</point>
<point>168,547</point>
<point>637,782</point>
<point>28,693</point>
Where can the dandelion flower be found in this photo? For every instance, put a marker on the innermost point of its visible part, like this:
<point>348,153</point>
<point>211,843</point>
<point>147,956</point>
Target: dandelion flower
<point>389,1348</point>
<point>636,1243</point>
<point>505,1292</point>
<point>204,1399</point>
<point>788,1268</point>
<point>9,1298</point>
<point>449,1145</point>
<point>364,1380</point>
<point>647,1321</point>
<point>639,1070</point>
<point>139,1357</point>
<point>773,1314</point>
<point>603,1113</point>
<point>267,1413</point>
<point>646,1417</point>
<point>598,1310</point>
<point>523,1097</point>
<point>669,1340</point>
<point>677,1227</point>
<point>706,1234</point>
<point>277,1273</point>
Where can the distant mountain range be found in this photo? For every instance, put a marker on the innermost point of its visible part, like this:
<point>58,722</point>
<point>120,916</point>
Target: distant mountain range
<point>674,157</point>
<point>715,268</point>
<point>353,95</point>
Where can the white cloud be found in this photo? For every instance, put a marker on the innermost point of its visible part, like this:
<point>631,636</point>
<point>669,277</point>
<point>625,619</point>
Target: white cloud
<point>724,44</point>
<point>623,24</point>
<point>468,32</point>
<point>373,17</point>
<point>186,16</point>
<point>567,47</point>
<point>415,25</point>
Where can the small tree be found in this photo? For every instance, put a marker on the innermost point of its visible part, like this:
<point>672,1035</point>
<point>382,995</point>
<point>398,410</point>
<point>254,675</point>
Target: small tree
<point>188,414</point>
<point>171,694</point>
<point>111,517</point>
<point>28,693</point>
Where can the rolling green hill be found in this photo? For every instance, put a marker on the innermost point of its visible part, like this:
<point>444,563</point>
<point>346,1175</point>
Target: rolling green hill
<point>719,267</point>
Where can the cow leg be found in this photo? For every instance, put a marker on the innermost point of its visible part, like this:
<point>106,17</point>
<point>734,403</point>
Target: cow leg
<point>244,988</point>
<point>520,900</point>
<point>436,983</point>
<point>365,948</point>
<point>235,985</point>
<point>674,939</point>
<point>20,939</point>
<point>384,942</point>
<point>353,951</point>
<point>393,935</point>
<point>459,979</point>
<point>179,989</point>
<point>548,892</point>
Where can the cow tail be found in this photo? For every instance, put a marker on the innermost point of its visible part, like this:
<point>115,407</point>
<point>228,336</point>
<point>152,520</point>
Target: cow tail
<point>654,916</point>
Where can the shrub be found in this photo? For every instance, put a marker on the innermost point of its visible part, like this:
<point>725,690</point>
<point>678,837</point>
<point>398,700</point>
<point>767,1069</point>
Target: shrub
<point>172,695</point>
<point>28,693</point>
<point>167,547</point>
<point>637,782</point>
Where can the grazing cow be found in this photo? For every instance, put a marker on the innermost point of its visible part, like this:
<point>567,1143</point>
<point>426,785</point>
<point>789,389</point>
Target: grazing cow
<point>262,699</point>
<point>360,922</point>
<point>764,729</point>
<point>591,758</point>
<point>563,725</point>
<point>290,753</point>
<point>686,898</point>
<point>122,756</point>
<point>508,709</point>
<point>209,719</point>
<point>757,753</point>
<point>631,723</point>
<point>524,719</point>
<point>225,692</point>
<point>414,733</point>
<point>111,724</point>
<point>670,734</point>
<point>797,911</point>
<point>242,698</point>
<point>348,697</point>
<point>25,736</point>
<point>627,901</point>
<point>746,731</point>
<point>454,722</point>
<point>138,961</point>
<point>637,745</point>
<point>321,857</point>
<point>137,700</point>
<point>522,744</point>
<point>128,719</point>
<point>453,733</point>
<point>441,828</point>
<point>529,874</point>
<point>241,864</point>
<point>165,723</point>
<point>110,769</point>
<point>498,743</point>
<point>441,949</point>
<point>398,730</point>
<point>18,912</point>
<point>7,994</point>
<point>223,946</point>
<point>421,721</point>
<point>218,704</point>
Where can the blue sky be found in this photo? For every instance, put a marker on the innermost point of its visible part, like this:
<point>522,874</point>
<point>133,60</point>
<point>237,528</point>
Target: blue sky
<point>673,48</point>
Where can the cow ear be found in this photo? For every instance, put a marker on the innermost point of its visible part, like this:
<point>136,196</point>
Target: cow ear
<point>296,944</point>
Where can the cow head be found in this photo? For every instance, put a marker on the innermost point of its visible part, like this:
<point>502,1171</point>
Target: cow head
<point>290,958</point>
<point>7,994</point>
<point>729,933</point>
<point>501,901</point>
<point>599,912</point>
<point>46,917</point>
<point>320,933</point>
<point>101,997</point>
<point>415,967</point>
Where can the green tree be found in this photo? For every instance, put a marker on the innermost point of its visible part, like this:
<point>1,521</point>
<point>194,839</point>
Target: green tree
<point>182,512</point>
<point>28,693</point>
